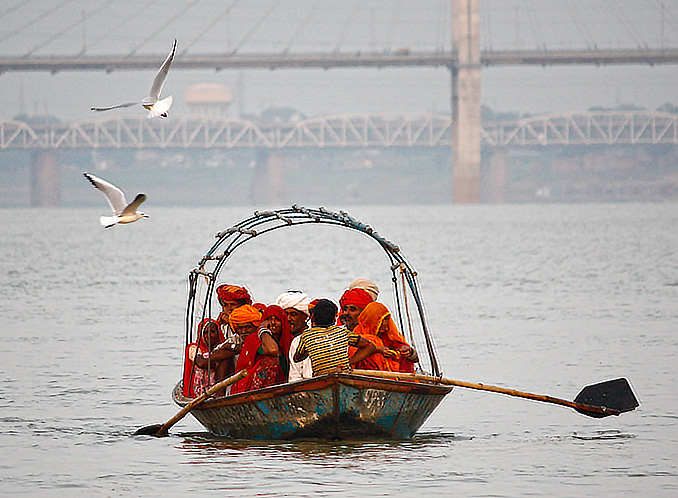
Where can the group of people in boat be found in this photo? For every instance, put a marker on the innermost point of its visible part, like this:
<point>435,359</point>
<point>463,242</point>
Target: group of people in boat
<point>296,338</point>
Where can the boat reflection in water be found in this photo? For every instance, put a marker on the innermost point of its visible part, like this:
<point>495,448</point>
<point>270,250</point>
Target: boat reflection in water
<point>334,406</point>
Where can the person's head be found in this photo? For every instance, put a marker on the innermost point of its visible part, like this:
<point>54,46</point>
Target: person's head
<point>209,333</point>
<point>352,303</point>
<point>384,326</point>
<point>295,303</point>
<point>376,319</point>
<point>367,285</point>
<point>323,312</point>
<point>244,320</point>
<point>274,317</point>
<point>231,297</point>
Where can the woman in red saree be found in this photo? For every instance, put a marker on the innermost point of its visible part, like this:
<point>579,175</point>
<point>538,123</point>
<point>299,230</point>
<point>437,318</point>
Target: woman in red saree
<point>265,352</point>
<point>199,372</point>
<point>393,353</point>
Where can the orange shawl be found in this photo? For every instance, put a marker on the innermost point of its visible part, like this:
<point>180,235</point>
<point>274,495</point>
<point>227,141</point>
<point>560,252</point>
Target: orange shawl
<point>369,322</point>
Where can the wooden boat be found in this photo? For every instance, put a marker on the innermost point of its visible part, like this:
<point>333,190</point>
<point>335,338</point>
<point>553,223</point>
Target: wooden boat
<point>336,406</point>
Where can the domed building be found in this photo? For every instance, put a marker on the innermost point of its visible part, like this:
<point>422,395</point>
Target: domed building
<point>209,99</point>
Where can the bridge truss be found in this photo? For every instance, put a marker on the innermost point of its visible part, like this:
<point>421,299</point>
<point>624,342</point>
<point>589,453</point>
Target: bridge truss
<point>346,131</point>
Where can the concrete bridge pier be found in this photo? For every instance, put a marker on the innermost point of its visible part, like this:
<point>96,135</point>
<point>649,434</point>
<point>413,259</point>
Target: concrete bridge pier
<point>466,125</point>
<point>45,178</point>
<point>268,183</point>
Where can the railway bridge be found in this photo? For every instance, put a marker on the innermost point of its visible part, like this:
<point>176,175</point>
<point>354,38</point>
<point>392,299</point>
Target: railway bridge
<point>595,128</point>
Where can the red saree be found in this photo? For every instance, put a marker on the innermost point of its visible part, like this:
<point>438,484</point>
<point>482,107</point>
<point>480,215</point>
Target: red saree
<point>263,370</point>
<point>198,380</point>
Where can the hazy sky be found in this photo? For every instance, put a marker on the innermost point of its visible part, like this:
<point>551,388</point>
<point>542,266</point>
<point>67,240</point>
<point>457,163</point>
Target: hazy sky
<point>55,27</point>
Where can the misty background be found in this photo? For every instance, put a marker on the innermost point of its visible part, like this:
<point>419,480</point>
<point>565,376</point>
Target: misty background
<point>29,28</point>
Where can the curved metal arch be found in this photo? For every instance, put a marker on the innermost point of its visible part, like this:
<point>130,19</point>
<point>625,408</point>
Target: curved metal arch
<point>262,222</point>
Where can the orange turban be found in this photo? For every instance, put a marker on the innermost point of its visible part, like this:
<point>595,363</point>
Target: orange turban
<point>244,314</point>
<point>226,292</point>
<point>359,297</point>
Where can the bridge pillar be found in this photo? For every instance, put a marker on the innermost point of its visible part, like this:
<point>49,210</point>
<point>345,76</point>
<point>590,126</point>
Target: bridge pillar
<point>466,125</point>
<point>45,178</point>
<point>268,183</point>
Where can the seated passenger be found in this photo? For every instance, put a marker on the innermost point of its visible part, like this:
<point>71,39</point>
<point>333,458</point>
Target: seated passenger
<point>230,297</point>
<point>243,321</point>
<point>327,344</point>
<point>392,354</point>
<point>264,353</point>
<point>295,304</point>
<point>200,370</point>
<point>352,303</point>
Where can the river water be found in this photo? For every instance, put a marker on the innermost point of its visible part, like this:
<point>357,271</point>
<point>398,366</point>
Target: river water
<point>539,298</point>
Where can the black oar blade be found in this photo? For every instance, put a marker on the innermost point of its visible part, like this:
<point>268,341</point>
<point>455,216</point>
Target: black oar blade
<point>148,430</point>
<point>612,394</point>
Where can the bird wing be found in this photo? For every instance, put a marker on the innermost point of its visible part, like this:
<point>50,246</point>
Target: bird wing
<point>115,196</point>
<point>162,74</point>
<point>128,104</point>
<point>132,207</point>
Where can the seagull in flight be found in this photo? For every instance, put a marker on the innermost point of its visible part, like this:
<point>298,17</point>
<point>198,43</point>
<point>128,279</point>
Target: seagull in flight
<point>122,212</point>
<point>155,106</point>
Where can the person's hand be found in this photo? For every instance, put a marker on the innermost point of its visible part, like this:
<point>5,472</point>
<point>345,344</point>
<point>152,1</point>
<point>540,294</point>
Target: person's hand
<point>405,351</point>
<point>389,353</point>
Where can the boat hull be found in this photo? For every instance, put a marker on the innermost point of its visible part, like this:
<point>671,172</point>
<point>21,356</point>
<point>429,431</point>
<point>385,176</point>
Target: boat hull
<point>337,406</point>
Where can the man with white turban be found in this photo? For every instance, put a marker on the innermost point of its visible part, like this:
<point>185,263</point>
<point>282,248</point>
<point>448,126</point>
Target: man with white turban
<point>295,303</point>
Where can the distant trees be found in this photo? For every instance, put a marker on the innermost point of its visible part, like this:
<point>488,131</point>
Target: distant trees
<point>669,107</point>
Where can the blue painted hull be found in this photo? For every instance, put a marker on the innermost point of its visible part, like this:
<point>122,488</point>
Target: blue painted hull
<point>338,406</point>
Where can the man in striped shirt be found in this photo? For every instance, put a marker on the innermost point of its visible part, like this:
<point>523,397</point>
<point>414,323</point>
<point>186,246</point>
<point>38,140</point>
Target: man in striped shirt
<point>327,344</point>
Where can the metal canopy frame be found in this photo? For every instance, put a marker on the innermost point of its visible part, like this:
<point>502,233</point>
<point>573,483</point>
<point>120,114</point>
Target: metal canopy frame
<point>262,222</point>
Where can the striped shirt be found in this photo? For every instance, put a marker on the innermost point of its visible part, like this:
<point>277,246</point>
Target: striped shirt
<point>327,347</point>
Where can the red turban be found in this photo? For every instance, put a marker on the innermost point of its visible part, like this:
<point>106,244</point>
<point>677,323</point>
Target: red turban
<point>226,292</point>
<point>358,297</point>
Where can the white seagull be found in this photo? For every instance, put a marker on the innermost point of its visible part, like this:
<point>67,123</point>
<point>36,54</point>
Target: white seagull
<point>122,212</point>
<point>155,106</point>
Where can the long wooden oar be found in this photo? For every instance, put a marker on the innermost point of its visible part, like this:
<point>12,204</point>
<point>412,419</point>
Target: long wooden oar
<point>161,429</point>
<point>612,397</point>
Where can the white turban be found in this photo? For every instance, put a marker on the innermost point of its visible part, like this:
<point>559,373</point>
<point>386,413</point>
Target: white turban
<point>294,299</point>
<point>366,285</point>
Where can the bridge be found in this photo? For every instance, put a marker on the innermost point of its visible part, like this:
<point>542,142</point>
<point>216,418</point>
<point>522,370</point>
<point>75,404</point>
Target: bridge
<point>402,58</point>
<point>462,56</point>
<point>346,131</point>
<point>331,132</point>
